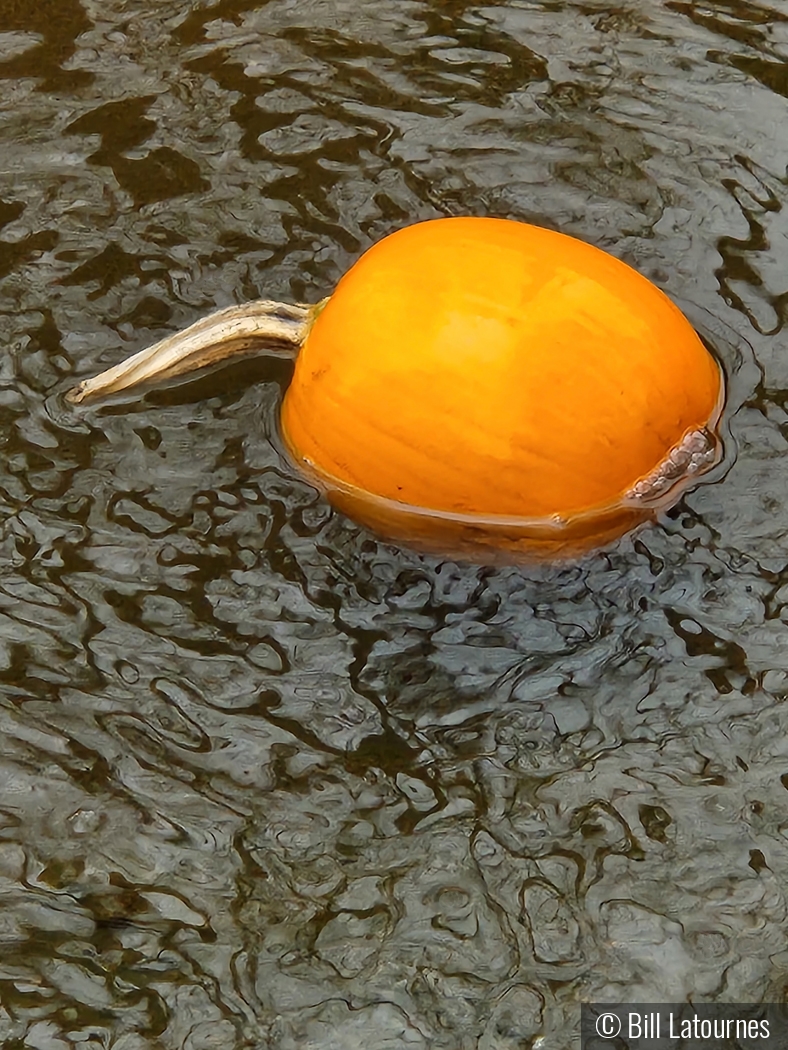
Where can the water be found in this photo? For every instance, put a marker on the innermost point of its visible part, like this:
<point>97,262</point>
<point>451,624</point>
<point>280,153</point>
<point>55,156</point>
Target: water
<point>266,781</point>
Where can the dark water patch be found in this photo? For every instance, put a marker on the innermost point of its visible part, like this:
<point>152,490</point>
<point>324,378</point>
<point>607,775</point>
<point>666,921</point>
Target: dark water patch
<point>122,125</point>
<point>112,266</point>
<point>771,74</point>
<point>28,249</point>
<point>164,173</point>
<point>737,21</point>
<point>193,28</point>
<point>10,210</point>
<point>60,23</point>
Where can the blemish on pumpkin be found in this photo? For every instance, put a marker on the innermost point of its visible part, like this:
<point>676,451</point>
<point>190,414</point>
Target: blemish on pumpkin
<point>697,452</point>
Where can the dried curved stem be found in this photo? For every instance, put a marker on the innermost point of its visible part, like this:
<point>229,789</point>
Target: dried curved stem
<point>233,332</point>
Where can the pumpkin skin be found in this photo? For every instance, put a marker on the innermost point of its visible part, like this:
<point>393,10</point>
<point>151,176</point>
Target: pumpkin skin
<point>485,383</point>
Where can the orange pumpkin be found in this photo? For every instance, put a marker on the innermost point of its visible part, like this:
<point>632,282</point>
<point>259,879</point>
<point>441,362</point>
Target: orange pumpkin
<point>483,383</point>
<point>481,386</point>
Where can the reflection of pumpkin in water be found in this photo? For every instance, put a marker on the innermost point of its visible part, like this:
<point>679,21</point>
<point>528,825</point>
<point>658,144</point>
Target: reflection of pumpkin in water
<point>482,384</point>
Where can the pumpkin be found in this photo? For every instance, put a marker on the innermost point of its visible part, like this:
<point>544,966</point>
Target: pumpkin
<point>482,386</point>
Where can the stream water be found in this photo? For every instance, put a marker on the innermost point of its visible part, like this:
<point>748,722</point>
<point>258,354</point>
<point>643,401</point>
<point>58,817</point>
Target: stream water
<point>265,780</point>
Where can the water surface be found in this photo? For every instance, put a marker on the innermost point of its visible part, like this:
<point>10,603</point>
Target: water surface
<point>266,781</point>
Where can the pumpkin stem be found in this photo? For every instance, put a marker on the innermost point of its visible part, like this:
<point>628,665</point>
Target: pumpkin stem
<point>262,325</point>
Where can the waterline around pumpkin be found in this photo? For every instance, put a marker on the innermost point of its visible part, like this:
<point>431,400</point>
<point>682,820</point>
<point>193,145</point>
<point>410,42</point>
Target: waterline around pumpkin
<point>497,539</point>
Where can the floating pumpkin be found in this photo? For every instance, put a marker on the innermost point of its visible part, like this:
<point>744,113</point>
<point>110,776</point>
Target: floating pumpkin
<point>480,386</point>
